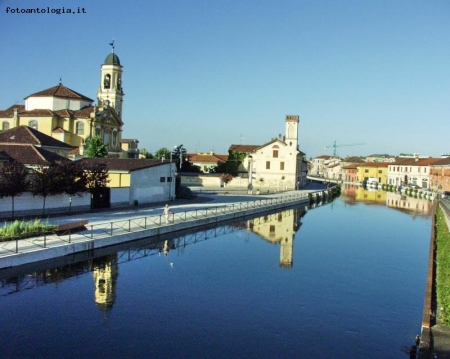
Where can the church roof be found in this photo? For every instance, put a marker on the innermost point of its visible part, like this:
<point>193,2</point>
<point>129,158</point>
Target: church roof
<point>9,112</point>
<point>112,59</point>
<point>28,135</point>
<point>244,148</point>
<point>62,92</point>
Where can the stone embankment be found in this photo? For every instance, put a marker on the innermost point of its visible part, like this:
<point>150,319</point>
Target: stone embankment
<point>134,226</point>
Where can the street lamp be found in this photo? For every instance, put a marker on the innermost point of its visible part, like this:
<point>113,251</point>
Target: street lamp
<point>250,174</point>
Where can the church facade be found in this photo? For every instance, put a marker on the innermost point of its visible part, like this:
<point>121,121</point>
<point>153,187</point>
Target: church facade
<point>73,118</point>
<point>278,164</point>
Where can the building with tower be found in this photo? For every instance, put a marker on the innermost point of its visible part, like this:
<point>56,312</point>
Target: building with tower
<point>278,164</point>
<point>73,118</point>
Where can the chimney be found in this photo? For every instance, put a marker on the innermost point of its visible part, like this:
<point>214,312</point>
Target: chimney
<point>16,117</point>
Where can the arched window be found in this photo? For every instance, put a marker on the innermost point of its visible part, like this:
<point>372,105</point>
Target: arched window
<point>107,81</point>
<point>5,125</point>
<point>33,124</point>
<point>80,128</point>
<point>98,131</point>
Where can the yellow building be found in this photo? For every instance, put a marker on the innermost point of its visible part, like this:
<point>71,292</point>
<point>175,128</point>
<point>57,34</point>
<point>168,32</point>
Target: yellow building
<point>376,170</point>
<point>71,117</point>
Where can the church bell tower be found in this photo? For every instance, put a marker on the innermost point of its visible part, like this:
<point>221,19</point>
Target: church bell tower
<point>110,92</point>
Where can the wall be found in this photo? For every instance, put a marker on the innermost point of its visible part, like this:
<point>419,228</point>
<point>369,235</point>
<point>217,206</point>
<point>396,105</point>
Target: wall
<point>26,204</point>
<point>146,186</point>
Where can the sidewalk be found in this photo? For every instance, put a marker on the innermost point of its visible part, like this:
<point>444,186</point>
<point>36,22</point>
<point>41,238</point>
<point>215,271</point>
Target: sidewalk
<point>106,228</point>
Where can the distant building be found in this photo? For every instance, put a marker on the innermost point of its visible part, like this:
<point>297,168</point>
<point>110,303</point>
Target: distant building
<point>278,164</point>
<point>206,161</point>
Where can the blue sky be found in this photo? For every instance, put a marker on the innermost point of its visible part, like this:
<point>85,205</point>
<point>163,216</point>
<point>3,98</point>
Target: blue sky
<point>208,74</point>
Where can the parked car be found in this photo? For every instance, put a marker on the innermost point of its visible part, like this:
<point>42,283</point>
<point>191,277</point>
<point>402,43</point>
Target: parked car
<point>446,194</point>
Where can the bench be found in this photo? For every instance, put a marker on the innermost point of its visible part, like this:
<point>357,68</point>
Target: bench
<point>71,226</point>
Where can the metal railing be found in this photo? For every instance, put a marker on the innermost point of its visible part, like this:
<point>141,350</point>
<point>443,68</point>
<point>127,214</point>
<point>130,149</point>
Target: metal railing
<point>119,227</point>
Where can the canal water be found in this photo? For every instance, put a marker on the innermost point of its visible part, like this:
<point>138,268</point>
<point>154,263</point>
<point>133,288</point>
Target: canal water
<point>344,279</point>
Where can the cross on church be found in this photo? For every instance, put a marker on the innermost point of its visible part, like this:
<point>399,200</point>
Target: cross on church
<point>112,45</point>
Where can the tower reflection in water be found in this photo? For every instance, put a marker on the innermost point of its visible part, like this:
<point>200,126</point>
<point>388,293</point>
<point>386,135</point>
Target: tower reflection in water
<point>279,228</point>
<point>105,273</point>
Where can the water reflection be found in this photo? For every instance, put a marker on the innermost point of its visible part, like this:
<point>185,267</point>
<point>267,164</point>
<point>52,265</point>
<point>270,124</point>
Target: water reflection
<point>276,228</point>
<point>105,273</point>
<point>279,228</point>
<point>412,204</point>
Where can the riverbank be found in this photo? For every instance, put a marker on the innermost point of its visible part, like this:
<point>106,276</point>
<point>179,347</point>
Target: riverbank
<point>435,336</point>
<point>113,227</point>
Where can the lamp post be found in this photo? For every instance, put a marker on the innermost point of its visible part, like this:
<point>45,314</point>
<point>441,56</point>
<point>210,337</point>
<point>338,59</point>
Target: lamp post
<point>250,174</point>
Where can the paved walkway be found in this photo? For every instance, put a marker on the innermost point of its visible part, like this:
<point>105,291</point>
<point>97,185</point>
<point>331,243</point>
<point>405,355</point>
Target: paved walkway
<point>110,227</point>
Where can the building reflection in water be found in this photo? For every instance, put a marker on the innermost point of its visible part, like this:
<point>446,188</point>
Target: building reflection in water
<point>414,204</point>
<point>105,273</point>
<point>279,228</point>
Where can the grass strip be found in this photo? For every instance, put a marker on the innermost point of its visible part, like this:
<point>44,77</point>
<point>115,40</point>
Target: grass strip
<point>443,268</point>
<point>23,229</point>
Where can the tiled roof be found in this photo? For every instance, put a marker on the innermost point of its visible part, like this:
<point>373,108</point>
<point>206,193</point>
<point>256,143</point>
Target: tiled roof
<point>442,162</point>
<point>127,164</point>
<point>60,91</point>
<point>244,148</point>
<point>374,164</point>
<point>28,154</point>
<point>84,112</point>
<point>9,112</point>
<point>28,135</point>
<point>205,158</point>
<point>415,162</point>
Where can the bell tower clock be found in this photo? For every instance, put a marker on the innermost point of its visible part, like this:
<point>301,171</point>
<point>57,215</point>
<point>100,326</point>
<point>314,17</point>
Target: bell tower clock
<point>110,90</point>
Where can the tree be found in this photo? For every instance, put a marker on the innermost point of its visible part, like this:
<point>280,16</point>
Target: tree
<point>71,179</point>
<point>232,163</point>
<point>13,181</point>
<point>45,182</point>
<point>162,153</point>
<point>96,148</point>
<point>226,178</point>
<point>96,176</point>
<point>144,153</point>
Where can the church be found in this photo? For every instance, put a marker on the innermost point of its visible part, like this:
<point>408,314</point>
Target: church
<point>73,118</point>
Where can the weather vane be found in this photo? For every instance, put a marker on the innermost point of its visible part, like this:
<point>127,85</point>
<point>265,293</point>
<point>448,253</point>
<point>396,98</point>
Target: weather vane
<point>112,45</point>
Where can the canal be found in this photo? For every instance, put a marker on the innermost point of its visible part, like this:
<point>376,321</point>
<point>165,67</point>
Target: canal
<point>344,279</point>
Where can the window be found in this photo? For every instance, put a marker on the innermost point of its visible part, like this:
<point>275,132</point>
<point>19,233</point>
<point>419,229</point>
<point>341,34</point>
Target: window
<point>5,126</point>
<point>379,171</point>
<point>114,138</point>
<point>267,165</point>
<point>282,166</point>
<point>366,171</point>
<point>169,179</point>
<point>106,137</point>
<point>275,154</point>
<point>98,131</point>
<point>33,124</point>
<point>80,128</point>
<point>162,179</point>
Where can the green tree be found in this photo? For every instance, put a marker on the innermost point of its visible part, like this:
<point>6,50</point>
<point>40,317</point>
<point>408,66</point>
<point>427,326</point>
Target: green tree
<point>13,181</point>
<point>162,153</point>
<point>45,182</point>
<point>146,154</point>
<point>232,163</point>
<point>96,148</point>
<point>71,179</point>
